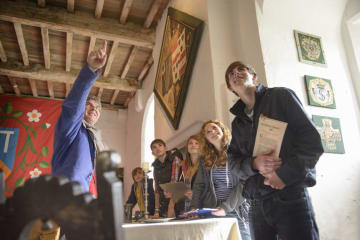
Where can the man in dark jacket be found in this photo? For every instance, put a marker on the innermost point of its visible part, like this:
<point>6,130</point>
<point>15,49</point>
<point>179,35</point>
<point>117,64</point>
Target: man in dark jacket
<point>276,186</point>
<point>167,168</point>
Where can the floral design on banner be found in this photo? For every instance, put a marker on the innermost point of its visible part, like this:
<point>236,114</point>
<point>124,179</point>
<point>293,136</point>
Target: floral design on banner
<point>34,116</point>
<point>35,119</point>
<point>35,173</point>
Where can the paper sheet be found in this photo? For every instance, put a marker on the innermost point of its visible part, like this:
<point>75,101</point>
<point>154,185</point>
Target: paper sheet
<point>269,135</point>
<point>177,190</point>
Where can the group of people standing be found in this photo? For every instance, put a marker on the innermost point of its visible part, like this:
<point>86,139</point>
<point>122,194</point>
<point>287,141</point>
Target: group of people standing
<point>205,170</point>
<point>266,193</point>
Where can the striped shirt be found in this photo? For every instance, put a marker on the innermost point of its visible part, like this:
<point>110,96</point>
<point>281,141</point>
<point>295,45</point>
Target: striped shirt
<point>222,183</point>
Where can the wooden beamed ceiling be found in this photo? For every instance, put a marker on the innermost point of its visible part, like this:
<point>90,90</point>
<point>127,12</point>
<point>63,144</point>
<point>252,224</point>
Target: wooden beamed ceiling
<point>48,41</point>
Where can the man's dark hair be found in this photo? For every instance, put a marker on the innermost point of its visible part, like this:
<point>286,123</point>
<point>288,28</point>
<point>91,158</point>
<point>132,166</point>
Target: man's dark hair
<point>95,98</point>
<point>158,140</point>
<point>234,65</point>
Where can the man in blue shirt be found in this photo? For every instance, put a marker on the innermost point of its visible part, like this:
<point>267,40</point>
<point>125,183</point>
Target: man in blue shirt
<point>76,140</point>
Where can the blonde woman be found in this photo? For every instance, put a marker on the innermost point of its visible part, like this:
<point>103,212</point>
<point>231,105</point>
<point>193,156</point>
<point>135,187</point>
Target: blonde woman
<point>217,185</point>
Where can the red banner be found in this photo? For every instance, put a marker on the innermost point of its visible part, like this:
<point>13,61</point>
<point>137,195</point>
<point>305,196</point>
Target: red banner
<point>35,119</point>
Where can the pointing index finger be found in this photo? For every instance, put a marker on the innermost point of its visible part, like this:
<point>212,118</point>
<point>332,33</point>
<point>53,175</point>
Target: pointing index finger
<point>104,46</point>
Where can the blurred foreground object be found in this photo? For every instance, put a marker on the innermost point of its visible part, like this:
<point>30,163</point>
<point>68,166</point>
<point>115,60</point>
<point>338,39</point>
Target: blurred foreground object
<point>56,199</point>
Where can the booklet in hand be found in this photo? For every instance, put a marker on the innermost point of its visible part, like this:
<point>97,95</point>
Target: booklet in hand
<point>269,136</point>
<point>177,190</point>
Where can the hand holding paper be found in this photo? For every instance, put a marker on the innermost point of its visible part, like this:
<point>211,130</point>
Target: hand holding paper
<point>269,137</point>
<point>265,163</point>
<point>176,190</point>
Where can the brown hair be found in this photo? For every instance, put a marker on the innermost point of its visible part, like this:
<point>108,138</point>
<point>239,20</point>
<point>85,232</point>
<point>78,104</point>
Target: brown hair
<point>190,168</point>
<point>234,65</point>
<point>135,171</point>
<point>158,140</point>
<point>211,154</point>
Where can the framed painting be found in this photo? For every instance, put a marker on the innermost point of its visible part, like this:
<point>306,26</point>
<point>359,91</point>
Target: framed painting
<point>320,92</point>
<point>310,49</point>
<point>330,133</point>
<point>177,56</point>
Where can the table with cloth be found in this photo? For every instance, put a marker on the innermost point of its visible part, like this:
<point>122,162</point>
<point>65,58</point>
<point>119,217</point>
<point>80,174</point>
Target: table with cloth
<point>211,228</point>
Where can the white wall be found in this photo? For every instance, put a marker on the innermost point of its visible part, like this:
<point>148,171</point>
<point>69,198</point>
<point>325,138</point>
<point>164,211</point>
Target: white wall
<point>351,38</point>
<point>112,125</point>
<point>234,36</point>
<point>337,193</point>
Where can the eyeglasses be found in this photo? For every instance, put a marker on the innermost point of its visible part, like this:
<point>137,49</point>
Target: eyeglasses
<point>233,73</point>
<point>97,107</point>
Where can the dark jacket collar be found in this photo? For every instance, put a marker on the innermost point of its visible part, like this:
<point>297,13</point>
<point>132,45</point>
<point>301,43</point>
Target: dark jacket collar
<point>158,164</point>
<point>238,108</point>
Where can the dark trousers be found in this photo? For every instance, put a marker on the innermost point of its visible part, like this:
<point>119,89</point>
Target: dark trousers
<point>286,215</point>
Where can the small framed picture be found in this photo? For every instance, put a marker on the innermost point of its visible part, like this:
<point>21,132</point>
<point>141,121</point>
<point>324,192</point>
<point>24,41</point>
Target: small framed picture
<point>309,49</point>
<point>330,133</point>
<point>320,92</point>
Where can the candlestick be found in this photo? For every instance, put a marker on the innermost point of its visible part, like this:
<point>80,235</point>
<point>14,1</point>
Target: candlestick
<point>145,166</point>
<point>146,196</point>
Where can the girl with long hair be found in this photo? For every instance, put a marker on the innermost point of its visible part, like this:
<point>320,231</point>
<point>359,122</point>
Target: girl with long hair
<point>217,185</point>
<point>191,165</point>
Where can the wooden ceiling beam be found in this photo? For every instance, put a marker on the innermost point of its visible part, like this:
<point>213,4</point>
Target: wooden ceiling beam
<point>146,68</point>
<point>127,101</point>
<point>58,19</point>
<point>70,6</point>
<point>111,107</point>
<point>125,11</point>
<point>2,53</point>
<point>41,3</point>
<point>151,15</point>
<point>46,46</point>
<point>114,96</point>
<point>33,87</point>
<point>50,85</point>
<point>56,74</point>
<point>111,58</point>
<point>99,8</point>
<point>99,95</point>
<point>69,41</point>
<point>129,62</point>
<point>92,44</point>
<point>21,42</point>
<point>14,85</point>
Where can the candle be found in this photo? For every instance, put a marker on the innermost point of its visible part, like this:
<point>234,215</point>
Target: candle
<point>145,166</point>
